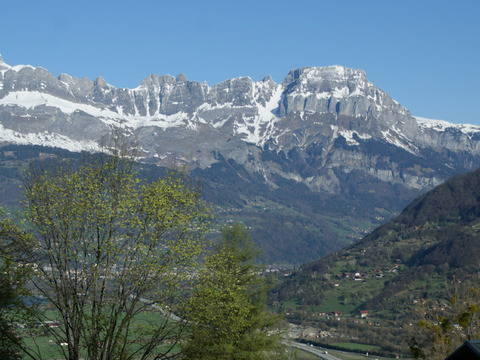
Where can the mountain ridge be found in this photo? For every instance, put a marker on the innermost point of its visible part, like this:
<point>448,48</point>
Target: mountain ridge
<point>325,134</point>
<point>267,95</point>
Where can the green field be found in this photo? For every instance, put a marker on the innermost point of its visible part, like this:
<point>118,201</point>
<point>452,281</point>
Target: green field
<point>354,356</point>
<point>42,345</point>
<point>45,344</point>
<point>349,295</point>
<point>303,355</point>
<point>357,346</point>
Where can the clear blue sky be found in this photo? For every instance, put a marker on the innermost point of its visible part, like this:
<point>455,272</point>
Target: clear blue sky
<point>424,53</point>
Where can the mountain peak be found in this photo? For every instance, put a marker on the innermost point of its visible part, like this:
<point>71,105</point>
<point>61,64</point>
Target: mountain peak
<point>154,80</point>
<point>100,82</point>
<point>337,70</point>
<point>326,73</point>
<point>267,78</point>
<point>3,66</point>
<point>181,78</point>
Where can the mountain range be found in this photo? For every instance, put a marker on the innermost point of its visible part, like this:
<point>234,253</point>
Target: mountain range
<point>311,163</point>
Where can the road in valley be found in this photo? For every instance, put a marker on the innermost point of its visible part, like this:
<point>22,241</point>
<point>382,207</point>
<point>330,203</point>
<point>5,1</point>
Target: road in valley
<point>315,350</point>
<point>155,306</point>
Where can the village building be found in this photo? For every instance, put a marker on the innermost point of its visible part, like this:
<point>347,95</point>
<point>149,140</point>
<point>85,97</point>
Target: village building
<point>363,314</point>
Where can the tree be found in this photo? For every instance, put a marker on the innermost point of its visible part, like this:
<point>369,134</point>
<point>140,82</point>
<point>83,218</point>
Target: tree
<point>8,336</point>
<point>112,257</point>
<point>12,278</point>
<point>227,309</point>
<point>446,324</point>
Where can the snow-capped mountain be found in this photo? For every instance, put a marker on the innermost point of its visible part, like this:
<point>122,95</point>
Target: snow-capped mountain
<point>179,120</point>
<point>326,128</point>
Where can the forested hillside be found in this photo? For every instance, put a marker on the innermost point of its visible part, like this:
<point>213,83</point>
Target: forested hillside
<point>400,264</point>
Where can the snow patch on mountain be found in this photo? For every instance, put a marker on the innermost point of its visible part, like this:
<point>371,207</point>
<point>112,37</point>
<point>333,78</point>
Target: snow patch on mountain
<point>33,99</point>
<point>48,139</point>
<point>4,67</point>
<point>442,125</point>
<point>395,137</point>
<point>349,135</point>
<point>256,129</point>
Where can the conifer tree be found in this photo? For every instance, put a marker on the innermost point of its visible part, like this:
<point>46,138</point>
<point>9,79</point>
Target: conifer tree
<point>227,311</point>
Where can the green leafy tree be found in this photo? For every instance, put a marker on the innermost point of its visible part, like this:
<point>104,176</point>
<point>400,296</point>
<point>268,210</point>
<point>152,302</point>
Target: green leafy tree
<point>445,325</point>
<point>112,256</point>
<point>12,278</point>
<point>227,310</point>
<point>9,339</point>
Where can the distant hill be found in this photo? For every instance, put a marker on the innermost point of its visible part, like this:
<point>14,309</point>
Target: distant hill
<point>435,238</point>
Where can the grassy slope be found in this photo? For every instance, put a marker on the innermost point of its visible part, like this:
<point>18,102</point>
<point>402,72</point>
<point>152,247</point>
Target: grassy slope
<point>412,258</point>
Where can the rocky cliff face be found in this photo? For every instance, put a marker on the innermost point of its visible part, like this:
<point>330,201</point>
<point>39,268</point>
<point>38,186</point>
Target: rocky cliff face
<point>325,128</point>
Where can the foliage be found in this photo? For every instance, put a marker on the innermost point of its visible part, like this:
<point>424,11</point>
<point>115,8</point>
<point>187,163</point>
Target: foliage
<point>446,325</point>
<point>227,311</point>
<point>108,248</point>
<point>12,278</point>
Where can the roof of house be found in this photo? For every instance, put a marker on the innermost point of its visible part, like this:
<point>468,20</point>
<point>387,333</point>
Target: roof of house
<point>469,350</point>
